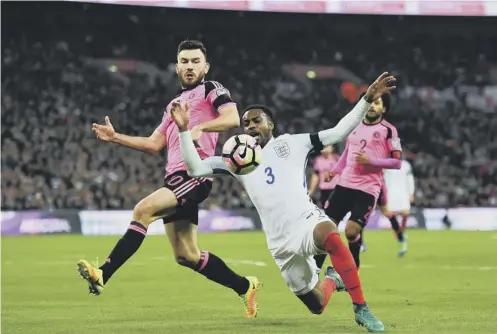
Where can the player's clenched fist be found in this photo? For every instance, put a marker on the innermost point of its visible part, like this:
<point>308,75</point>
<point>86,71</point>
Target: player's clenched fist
<point>180,115</point>
<point>328,176</point>
<point>104,132</point>
<point>382,85</point>
<point>362,158</point>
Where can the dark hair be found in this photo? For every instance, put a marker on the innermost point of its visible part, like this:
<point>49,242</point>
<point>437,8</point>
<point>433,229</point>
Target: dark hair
<point>269,113</point>
<point>387,101</point>
<point>192,44</point>
<point>386,98</point>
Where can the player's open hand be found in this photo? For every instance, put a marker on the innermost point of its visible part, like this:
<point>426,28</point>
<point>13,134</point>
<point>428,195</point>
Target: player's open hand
<point>180,115</point>
<point>362,158</point>
<point>104,132</point>
<point>385,83</point>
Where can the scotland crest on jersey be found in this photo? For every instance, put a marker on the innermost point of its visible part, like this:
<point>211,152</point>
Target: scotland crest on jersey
<point>282,149</point>
<point>222,91</point>
<point>396,144</point>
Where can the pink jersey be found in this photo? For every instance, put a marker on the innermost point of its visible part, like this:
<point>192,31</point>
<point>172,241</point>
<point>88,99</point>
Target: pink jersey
<point>205,100</point>
<point>376,141</point>
<point>323,165</point>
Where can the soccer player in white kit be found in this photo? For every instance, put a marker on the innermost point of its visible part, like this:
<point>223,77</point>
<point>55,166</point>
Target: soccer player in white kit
<point>398,194</point>
<point>295,228</point>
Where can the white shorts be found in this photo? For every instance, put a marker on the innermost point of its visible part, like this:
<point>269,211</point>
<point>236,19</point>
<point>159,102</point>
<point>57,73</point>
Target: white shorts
<point>294,257</point>
<point>398,205</point>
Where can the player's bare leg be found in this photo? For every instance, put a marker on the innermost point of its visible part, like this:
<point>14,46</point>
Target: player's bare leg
<point>183,238</point>
<point>364,248</point>
<point>327,238</point>
<point>156,206</point>
<point>148,210</point>
<point>317,299</point>
<point>398,230</point>
<point>405,215</point>
<point>403,243</point>
<point>321,258</point>
<point>353,233</point>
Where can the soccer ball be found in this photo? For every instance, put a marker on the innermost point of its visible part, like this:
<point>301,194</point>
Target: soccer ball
<point>242,154</point>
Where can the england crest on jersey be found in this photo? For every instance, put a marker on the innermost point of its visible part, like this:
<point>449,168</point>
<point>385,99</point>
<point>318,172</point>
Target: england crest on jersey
<point>282,149</point>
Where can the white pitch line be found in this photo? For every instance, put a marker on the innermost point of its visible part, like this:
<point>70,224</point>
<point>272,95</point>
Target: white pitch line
<point>232,261</point>
<point>481,268</point>
<point>247,262</point>
<point>56,263</point>
<point>154,260</point>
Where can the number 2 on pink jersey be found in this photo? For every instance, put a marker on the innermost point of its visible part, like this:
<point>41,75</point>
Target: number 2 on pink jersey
<point>363,144</point>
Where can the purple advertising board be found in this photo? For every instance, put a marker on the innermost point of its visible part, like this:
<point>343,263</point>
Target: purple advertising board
<point>116,222</point>
<point>377,220</point>
<point>39,222</point>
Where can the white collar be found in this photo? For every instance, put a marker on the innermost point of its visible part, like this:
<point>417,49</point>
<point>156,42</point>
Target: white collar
<point>270,141</point>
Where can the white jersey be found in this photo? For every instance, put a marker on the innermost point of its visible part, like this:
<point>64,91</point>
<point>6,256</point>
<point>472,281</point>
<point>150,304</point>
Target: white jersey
<point>278,190</point>
<point>399,184</point>
<point>278,186</point>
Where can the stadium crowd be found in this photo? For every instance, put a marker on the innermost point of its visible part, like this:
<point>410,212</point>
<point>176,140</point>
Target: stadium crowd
<point>50,97</point>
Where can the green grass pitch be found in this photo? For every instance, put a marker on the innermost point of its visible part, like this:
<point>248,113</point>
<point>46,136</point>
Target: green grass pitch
<point>447,283</point>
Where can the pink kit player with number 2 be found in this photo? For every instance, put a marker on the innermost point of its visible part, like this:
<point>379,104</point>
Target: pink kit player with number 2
<point>371,147</point>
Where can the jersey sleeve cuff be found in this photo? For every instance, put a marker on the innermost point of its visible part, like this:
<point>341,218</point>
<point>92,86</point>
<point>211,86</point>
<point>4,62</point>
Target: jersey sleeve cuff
<point>316,143</point>
<point>224,105</point>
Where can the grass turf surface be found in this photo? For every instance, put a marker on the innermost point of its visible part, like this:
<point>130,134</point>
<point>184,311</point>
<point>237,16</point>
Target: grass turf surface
<point>447,283</point>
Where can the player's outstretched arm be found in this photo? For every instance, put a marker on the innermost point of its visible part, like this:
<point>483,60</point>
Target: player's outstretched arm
<point>152,144</point>
<point>213,166</point>
<point>196,167</point>
<point>219,98</point>
<point>347,124</point>
<point>229,118</point>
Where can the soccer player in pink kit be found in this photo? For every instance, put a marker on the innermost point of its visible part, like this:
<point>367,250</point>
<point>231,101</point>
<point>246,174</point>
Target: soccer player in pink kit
<point>177,202</point>
<point>323,166</point>
<point>371,147</point>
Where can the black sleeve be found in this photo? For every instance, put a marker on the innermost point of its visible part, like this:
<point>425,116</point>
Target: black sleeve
<point>222,95</point>
<point>209,87</point>
<point>220,100</point>
<point>389,133</point>
<point>317,146</point>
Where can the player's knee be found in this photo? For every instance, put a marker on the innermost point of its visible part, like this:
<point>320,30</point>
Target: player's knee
<point>187,257</point>
<point>322,230</point>
<point>352,236</point>
<point>352,232</point>
<point>186,261</point>
<point>325,228</point>
<point>333,226</point>
<point>142,213</point>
